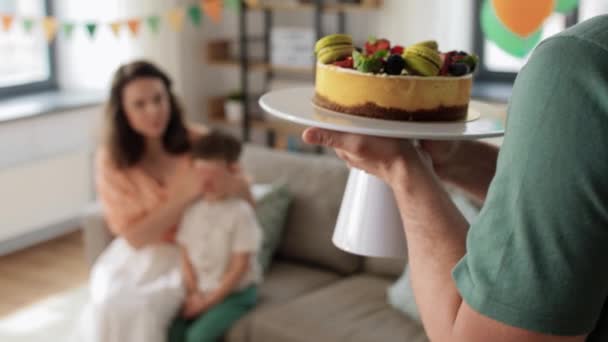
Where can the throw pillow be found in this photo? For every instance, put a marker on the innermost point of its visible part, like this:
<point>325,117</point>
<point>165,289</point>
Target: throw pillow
<point>272,205</point>
<point>401,296</point>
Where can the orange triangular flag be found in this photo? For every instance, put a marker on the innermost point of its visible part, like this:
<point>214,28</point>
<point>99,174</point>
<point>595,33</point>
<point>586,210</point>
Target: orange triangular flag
<point>116,26</point>
<point>49,25</point>
<point>213,9</point>
<point>176,18</point>
<point>133,25</point>
<point>7,22</point>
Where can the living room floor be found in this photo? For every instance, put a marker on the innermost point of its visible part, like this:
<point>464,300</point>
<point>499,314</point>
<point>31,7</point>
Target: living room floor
<point>38,272</point>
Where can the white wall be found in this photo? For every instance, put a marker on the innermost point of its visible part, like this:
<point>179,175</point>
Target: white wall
<point>45,170</point>
<point>407,22</point>
<point>591,8</point>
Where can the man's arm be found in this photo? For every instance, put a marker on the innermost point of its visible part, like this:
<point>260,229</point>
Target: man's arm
<point>436,234</point>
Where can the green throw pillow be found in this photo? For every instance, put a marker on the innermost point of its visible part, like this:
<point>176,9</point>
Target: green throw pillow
<point>401,296</point>
<point>272,205</point>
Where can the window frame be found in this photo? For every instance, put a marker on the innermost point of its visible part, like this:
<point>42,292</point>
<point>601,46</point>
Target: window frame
<point>40,86</point>
<point>483,73</point>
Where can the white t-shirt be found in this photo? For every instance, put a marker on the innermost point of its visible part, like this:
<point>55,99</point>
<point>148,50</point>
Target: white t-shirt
<point>212,231</point>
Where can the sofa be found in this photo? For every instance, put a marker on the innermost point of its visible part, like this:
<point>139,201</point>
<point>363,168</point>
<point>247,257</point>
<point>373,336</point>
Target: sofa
<point>312,291</point>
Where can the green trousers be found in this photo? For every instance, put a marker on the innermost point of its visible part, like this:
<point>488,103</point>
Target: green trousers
<point>211,325</point>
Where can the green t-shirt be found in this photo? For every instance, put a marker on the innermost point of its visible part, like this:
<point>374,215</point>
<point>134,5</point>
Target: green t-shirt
<point>537,255</point>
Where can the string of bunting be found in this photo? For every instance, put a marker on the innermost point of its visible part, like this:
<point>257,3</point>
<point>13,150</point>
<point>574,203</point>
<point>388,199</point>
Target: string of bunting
<point>175,17</point>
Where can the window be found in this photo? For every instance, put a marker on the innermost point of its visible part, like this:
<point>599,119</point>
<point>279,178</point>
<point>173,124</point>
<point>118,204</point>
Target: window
<point>497,65</point>
<point>27,59</point>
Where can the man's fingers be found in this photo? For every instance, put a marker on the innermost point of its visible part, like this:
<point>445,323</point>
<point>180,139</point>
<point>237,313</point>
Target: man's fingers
<point>318,136</point>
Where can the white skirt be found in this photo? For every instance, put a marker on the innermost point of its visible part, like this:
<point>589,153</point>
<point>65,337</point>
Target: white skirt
<point>135,294</point>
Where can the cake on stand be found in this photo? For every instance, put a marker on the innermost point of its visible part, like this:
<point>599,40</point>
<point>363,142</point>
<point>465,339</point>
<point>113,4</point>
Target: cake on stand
<point>369,222</point>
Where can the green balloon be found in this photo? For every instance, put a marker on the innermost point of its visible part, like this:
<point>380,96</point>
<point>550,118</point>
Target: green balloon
<point>508,41</point>
<point>565,6</point>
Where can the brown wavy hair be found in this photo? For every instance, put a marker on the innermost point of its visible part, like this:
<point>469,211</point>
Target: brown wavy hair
<point>126,147</point>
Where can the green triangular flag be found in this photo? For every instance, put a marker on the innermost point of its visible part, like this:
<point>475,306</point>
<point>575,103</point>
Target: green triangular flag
<point>234,4</point>
<point>194,12</point>
<point>68,28</point>
<point>153,23</point>
<point>28,24</point>
<point>91,28</point>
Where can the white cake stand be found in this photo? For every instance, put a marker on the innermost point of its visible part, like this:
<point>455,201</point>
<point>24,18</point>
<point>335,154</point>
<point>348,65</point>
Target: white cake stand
<point>369,222</point>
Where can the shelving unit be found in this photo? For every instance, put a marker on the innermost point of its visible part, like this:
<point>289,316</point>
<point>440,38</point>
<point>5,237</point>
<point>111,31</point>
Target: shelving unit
<point>264,65</point>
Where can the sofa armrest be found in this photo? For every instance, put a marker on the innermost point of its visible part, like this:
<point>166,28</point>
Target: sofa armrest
<point>96,235</point>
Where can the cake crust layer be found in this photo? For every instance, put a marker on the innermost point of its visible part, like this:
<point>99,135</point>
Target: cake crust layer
<point>372,110</point>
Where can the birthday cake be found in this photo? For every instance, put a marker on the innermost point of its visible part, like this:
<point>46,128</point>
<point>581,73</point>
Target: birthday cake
<point>414,83</point>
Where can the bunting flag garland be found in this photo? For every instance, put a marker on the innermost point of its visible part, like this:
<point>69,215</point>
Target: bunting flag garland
<point>175,18</point>
<point>68,29</point>
<point>7,22</point>
<point>115,27</point>
<point>91,28</point>
<point>28,25</point>
<point>235,5</point>
<point>133,25</point>
<point>153,23</point>
<point>194,12</point>
<point>49,25</point>
<point>213,9</point>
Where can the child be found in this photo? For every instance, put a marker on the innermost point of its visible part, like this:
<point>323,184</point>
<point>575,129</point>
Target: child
<point>219,237</point>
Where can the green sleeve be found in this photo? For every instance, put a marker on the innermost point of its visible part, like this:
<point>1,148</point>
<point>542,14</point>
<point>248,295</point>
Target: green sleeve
<point>537,254</point>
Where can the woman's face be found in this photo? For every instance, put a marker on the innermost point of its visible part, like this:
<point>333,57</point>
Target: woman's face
<point>147,106</point>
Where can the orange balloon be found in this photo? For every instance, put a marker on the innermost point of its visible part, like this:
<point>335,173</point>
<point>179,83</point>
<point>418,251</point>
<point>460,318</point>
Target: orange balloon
<point>523,17</point>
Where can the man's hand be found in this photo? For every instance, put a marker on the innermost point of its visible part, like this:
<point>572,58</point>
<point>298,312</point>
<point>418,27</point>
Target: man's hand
<point>382,157</point>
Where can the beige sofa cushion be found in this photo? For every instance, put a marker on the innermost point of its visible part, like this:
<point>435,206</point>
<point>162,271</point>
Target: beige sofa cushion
<point>385,267</point>
<point>353,310</point>
<point>283,282</point>
<point>317,184</point>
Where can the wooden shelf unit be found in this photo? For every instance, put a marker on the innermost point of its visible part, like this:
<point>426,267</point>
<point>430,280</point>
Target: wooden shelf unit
<point>245,64</point>
<point>332,7</point>
<point>261,66</point>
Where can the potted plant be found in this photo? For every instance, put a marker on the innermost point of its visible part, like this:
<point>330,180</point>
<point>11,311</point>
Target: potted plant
<point>233,107</point>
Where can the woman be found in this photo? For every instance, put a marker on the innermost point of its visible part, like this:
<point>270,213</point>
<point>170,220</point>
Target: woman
<point>145,180</point>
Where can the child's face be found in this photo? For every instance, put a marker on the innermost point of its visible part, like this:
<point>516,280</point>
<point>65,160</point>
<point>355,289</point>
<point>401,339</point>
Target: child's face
<point>216,176</point>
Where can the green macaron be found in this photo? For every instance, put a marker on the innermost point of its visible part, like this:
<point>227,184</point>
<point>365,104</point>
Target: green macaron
<point>333,39</point>
<point>432,44</point>
<point>334,53</point>
<point>423,60</point>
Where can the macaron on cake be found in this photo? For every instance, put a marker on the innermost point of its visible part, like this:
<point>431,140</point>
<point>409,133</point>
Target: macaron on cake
<point>404,83</point>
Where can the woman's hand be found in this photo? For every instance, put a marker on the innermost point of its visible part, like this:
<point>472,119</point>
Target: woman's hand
<point>187,185</point>
<point>195,304</point>
<point>240,184</point>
